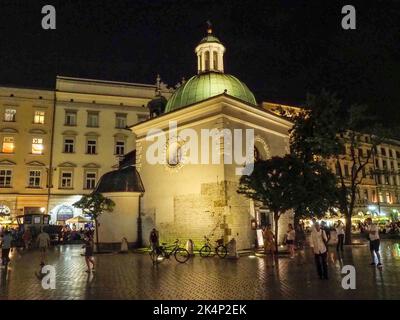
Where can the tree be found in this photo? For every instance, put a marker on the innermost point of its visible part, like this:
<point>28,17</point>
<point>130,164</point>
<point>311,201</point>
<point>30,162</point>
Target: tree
<point>275,183</point>
<point>94,205</point>
<point>317,192</point>
<point>328,130</point>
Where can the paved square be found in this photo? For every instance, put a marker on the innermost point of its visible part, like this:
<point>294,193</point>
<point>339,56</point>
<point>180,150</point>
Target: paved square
<point>132,276</point>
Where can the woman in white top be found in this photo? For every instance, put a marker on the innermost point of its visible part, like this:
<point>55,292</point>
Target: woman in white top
<point>340,235</point>
<point>290,237</point>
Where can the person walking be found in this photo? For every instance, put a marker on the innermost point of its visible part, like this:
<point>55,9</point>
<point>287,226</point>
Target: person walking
<point>89,245</point>
<point>374,242</point>
<point>300,236</point>
<point>318,242</point>
<point>290,237</point>
<point>43,242</point>
<point>269,241</point>
<point>154,239</point>
<point>340,235</point>
<point>6,247</point>
<point>27,238</point>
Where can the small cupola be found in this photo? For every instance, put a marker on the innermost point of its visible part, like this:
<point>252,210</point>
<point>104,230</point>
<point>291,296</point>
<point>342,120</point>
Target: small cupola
<point>210,53</point>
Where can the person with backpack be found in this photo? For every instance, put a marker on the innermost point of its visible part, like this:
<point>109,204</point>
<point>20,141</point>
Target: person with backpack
<point>318,242</point>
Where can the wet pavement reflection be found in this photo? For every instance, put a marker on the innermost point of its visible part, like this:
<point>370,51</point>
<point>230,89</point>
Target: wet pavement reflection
<point>132,276</point>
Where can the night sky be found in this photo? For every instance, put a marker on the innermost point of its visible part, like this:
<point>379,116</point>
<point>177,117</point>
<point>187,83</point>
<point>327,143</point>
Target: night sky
<point>280,49</point>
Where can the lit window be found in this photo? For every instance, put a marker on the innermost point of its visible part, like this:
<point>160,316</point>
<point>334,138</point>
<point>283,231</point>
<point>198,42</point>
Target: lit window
<point>120,120</point>
<point>5,178</point>
<point>66,179</point>
<point>39,117</point>
<point>9,115</point>
<point>91,147</point>
<point>120,148</point>
<point>34,178</point>
<point>90,180</point>
<point>37,146</point>
<point>93,119</point>
<point>8,145</point>
<point>388,197</point>
<point>70,118</point>
<point>366,195</point>
<point>69,145</point>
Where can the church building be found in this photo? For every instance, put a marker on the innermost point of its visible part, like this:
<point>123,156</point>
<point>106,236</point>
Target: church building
<point>184,199</point>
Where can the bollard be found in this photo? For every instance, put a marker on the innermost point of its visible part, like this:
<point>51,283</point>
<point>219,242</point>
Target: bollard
<point>232,250</point>
<point>124,245</point>
<point>190,247</point>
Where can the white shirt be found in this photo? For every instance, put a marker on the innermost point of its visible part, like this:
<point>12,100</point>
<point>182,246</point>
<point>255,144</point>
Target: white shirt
<point>339,229</point>
<point>43,239</point>
<point>291,235</point>
<point>375,235</point>
<point>317,241</point>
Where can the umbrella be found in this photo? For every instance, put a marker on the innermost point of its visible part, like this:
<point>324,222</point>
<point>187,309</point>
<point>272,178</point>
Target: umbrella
<point>78,219</point>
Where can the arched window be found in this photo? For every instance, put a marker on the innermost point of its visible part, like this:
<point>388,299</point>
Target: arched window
<point>215,60</point>
<point>64,213</point>
<point>207,60</point>
<point>257,156</point>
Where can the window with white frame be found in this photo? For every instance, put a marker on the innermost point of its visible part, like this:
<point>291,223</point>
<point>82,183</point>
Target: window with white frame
<point>69,145</point>
<point>66,179</point>
<point>70,118</point>
<point>10,115</point>
<point>120,120</point>
<point>5,178</point>
<point>90,180</point>
<point>91,146</point>
<point>34,178</point>
<point>38,117</point>
<point>92,119</point>
<point>8,145</point>
<point>37,146</point>
<point>120,147</point>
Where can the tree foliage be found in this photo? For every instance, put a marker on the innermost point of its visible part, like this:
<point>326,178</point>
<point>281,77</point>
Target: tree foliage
<point>94,205</point>
<point>329,130</point>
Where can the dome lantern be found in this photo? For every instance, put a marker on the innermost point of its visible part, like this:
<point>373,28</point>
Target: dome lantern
<point>210,53</point>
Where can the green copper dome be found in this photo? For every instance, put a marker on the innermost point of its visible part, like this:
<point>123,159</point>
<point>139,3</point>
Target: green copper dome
<point>210,38</point>
<point>206,85</point>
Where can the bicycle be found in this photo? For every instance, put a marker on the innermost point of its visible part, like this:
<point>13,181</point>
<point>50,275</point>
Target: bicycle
<point>163,252</point>
<point>220,249</point>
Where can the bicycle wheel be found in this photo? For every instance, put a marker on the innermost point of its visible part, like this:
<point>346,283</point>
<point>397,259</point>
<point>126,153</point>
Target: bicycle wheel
<point>205,251</point>
<point>181,255</point>
<point>221,251</point>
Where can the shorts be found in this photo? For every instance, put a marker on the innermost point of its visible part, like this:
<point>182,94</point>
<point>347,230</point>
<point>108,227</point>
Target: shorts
<point>374,245</point>
<point>289,242</point>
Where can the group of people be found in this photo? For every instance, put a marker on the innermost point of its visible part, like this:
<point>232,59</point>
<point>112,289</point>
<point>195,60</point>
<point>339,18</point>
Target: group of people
<point>74,234</point>
<point>6,240</point>
<point>318,241</point>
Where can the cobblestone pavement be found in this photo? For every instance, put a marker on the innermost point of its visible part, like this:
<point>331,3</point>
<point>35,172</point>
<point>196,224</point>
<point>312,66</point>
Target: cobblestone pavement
<point>132,276</point>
